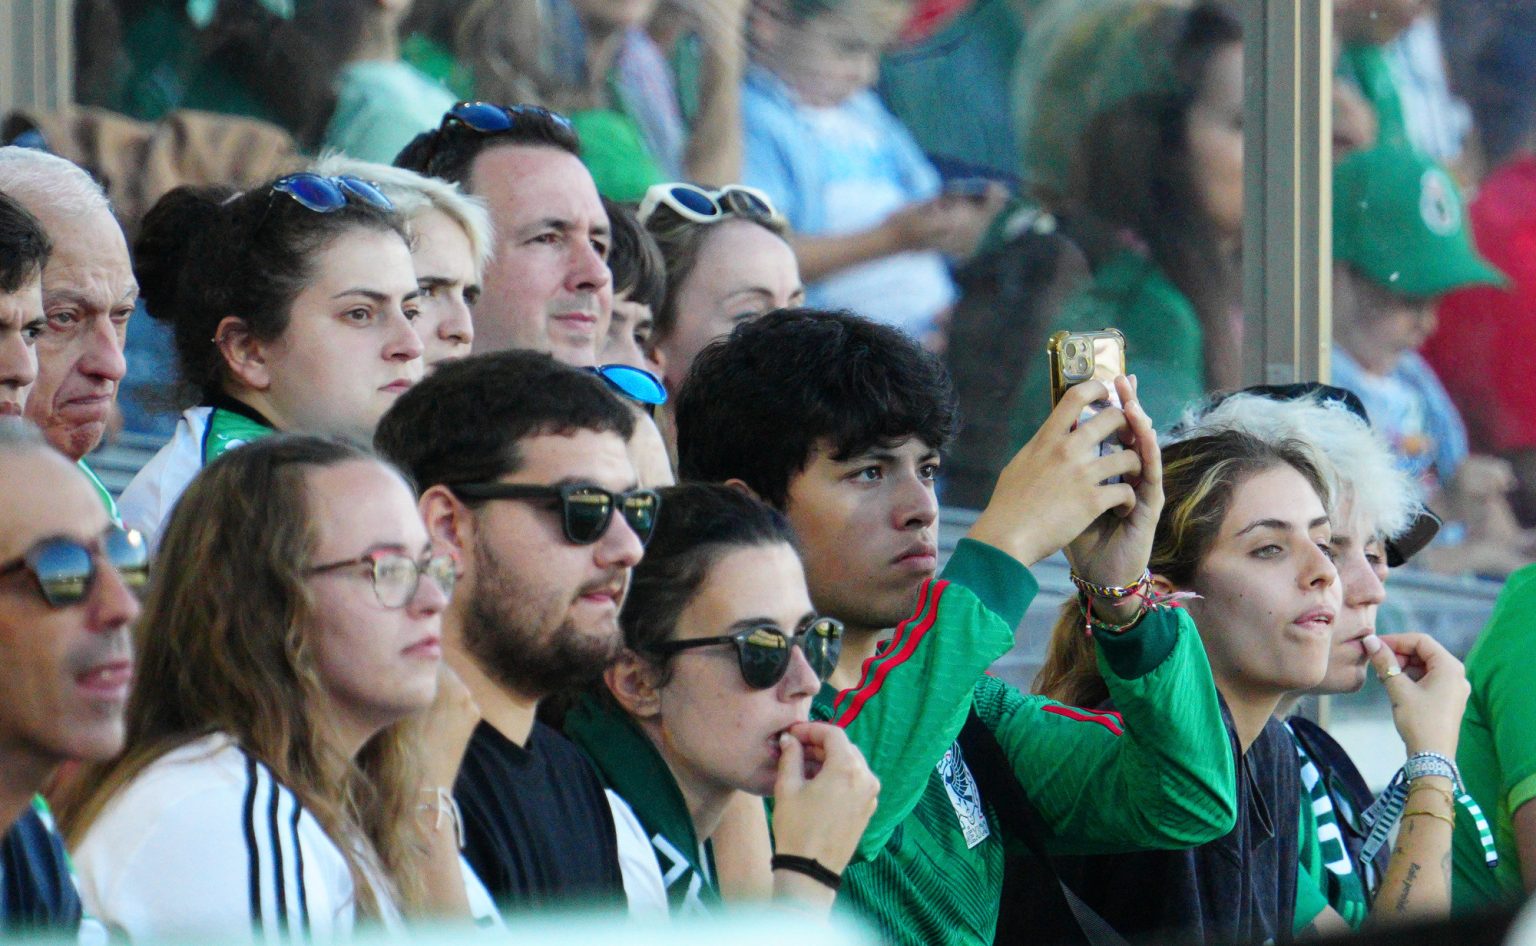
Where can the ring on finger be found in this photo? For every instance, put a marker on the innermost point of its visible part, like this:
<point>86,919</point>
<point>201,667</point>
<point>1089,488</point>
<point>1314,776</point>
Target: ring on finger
<point>1395,671</point>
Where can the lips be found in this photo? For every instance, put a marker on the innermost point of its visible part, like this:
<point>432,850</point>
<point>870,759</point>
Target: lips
<point>919,556</point>
<point>1317,619</point>
<point>428,648</point>
<point>398,386</point>
<point>107,681</point>
<point>10,408</point>
<point>581,323</point>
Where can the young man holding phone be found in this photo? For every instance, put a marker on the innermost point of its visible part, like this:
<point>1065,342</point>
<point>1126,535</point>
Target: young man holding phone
<point>840,422</point>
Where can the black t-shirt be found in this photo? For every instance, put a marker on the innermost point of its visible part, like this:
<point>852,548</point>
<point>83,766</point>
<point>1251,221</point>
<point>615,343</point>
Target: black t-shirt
<point>537,825</point>
<point>36,891</point>
<point>1240,888</point>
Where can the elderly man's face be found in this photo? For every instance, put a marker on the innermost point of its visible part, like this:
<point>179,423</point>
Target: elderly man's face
<point>88,294</point>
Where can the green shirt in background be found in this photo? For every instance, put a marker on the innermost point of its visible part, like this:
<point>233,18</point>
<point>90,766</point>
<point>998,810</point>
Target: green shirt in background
<point>1165,345</point>
<point>1497,754</point>
<point>612,149</point>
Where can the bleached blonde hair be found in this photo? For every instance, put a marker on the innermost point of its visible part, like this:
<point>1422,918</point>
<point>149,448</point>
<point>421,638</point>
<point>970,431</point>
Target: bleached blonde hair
<point>413,193</point>
<point>1364,478</point>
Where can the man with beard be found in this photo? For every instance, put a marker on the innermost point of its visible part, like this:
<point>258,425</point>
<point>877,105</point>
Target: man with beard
<point>66,603</point>
<point>524,476</point>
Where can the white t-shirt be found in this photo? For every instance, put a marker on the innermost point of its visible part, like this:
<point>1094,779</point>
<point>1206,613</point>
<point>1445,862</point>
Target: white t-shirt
<point>147,500</point>
<point>645,891</point>
<point>205,843</point>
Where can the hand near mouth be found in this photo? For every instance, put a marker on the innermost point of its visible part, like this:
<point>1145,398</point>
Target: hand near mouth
<point>1429,693</point>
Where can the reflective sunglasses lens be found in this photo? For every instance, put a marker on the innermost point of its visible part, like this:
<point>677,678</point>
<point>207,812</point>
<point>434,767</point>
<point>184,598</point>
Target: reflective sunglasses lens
<point>635,383</point>
<point>696,201</point>
<point>640,508</point>
<point>64,571</point>
<point>445,572</point>
<point>366,191</point>
<point>483,116</point>
<point>823,642</point>
<point>394,580</point>
<point>764,658</point>
<point>129,554</point>
<point>587,512</point>
<point>313,191</point>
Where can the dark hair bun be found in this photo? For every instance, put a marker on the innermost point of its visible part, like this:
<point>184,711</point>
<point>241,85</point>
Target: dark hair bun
<point>167,244</point>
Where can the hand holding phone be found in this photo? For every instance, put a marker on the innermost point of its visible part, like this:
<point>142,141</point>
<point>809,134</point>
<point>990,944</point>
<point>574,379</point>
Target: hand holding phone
<point>1076,357</point>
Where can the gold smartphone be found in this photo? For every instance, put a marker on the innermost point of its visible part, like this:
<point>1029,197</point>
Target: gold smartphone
<point>1084,356</point>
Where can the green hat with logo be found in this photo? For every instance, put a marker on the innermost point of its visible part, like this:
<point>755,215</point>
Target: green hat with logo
<point>1399,219</point>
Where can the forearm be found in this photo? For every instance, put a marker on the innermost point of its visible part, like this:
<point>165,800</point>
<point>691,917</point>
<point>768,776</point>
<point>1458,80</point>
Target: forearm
<point>1417,884</point>
<point>821,256</point>
<point>715,142</point>
<point>441,872</point>
<point>742,846</point>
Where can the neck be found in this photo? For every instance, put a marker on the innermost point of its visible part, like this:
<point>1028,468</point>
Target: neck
<point>1370,358</point>
<point>1288,704</point>
<point>22,775</point>
<point>858,646</point>
<point>1250,708</point>
<point>380,41</point>
<point>509,712</point>
<point>261,403</point>
<point>706,801</point>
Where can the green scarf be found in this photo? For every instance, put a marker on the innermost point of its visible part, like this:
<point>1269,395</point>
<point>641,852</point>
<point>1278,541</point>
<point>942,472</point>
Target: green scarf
<point>227,430</point>
<point>630,765</point>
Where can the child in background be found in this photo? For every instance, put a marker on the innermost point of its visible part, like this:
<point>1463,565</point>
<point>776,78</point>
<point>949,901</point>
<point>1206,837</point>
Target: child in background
<point>1400,242</point>
<point>872,224</point>
<point>639,288</point>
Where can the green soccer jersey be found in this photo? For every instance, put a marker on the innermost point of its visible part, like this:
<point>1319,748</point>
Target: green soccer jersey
<point>1327,875</point>
<point>1497,751</point>
<point>1157,774</point>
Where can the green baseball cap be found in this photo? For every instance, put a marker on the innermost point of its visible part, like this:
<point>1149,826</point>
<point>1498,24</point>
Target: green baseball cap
<point>1399,219</point>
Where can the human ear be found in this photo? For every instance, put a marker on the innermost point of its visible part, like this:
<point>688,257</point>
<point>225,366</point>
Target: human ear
<point>450,527</point>
<point>1160,585</point>
<point>244,354</point>
<point>632,681</point>
<point>741,486</point>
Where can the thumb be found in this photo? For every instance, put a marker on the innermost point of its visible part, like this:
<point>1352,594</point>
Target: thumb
<point>791,766</point>
<point>1382,658</point>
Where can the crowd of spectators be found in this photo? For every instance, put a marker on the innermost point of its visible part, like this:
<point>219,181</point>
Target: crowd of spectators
<point>566,391</point>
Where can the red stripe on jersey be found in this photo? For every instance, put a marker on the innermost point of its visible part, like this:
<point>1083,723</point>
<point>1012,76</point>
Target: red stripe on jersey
<point>883,649</point>
<point>909,634</point>
<point>1110,721</point>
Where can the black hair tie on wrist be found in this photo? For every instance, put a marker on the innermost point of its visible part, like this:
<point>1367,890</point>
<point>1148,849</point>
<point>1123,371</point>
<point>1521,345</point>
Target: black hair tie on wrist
<point>808,866</point>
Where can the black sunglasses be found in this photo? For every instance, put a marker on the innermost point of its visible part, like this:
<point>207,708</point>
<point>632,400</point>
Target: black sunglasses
<point>488,118</point>
<point>585,510</point>
<point>763,652</point>
<point>66,570</point>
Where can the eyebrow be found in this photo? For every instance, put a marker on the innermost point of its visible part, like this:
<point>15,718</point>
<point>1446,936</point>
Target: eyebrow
<point>1279,525</point>
<point>589,481</point>
<point>371,294</point>
<point>434,282</point>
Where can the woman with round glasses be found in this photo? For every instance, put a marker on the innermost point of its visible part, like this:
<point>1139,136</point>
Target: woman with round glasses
<point>274,778</point>
<point>726,261</point>
<point>292,305</point>
<point>710,699</point>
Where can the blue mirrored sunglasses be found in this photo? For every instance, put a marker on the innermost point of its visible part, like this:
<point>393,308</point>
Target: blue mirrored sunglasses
<point>489,118</point>
<point>637,384</point>
<point>329,194</point>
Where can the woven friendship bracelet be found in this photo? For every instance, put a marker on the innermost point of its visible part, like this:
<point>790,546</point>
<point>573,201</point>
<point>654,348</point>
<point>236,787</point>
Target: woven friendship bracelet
<point>1111,592</point>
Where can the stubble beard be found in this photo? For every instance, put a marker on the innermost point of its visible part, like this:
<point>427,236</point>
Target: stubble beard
<point>535,653</point>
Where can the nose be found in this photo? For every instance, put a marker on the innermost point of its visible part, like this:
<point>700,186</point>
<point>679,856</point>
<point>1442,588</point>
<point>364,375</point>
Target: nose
<point>588,271</point>
<point>1362,586</point>
<point>458,325</point>
<point>1317,569</point>
<point>402,343</point>
<point>429,599</point>
<point>916,507</point>
<point>111,605</point>
<point>800,680</point>
<point>18,362</point>
<point>103,355</point>
<point>619,547</point>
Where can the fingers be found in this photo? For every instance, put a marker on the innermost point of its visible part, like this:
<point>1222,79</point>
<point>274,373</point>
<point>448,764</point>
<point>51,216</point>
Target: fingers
<point>791,766</point>
<point>1140,424</point>
<point>1422,649</point>
<point>1115,463</point>
<point>1103,425</point>
<point>1076,398</point>
<point>1383,660</point>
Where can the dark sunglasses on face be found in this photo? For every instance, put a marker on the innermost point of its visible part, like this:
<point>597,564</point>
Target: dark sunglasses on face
<point>585,510</point>
<point>396,576</point>
<point>66,570</point>
<point>763,652</point>
<point>637,384</point>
